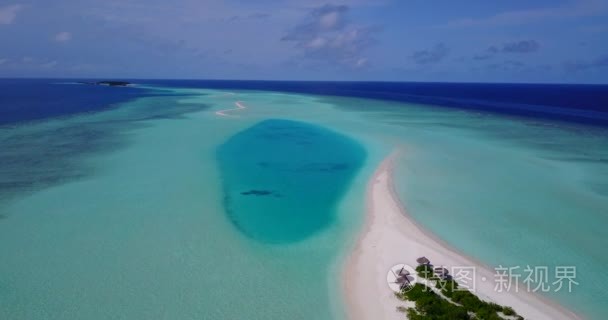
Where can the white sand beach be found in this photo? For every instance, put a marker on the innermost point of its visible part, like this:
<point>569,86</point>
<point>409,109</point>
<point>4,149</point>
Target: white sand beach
<point>390,237</point>
<point>239,106</point>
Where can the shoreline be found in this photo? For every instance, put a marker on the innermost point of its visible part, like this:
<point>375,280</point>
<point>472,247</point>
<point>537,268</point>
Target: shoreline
<point>239,106</point>
<point>390,236</point>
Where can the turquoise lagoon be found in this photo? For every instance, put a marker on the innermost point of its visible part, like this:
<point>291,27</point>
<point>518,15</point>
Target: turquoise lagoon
<point>282,179</point>
<point>178,213</point>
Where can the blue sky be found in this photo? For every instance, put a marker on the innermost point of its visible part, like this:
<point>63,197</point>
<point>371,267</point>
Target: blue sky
<point>398,40</point>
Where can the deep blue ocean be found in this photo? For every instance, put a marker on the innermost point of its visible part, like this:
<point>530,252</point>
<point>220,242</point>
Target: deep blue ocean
<point>31,99</point>
<point>567,102</point>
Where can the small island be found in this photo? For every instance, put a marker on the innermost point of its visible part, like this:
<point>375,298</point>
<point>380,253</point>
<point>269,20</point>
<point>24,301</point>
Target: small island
<point>437,296</point>
<point>107,83</point>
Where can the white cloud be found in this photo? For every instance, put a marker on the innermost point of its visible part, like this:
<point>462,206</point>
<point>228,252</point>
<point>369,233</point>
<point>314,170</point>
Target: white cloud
<point>329,20</point>
<point>362,62</point>
<point>9,13</point>
<point>34,62</point>
<point>49,64</point>
<point>327,35</point>
<point>432,55</point>
<point>63,36</point>
<point>574,9</point>
<point>317,42</point>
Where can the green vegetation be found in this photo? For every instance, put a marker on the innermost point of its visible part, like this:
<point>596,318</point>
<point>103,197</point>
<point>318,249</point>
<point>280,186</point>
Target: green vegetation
<point>425,271</point>
<point>508,311</point>
<point>456,304</point>
<point>430,306</point>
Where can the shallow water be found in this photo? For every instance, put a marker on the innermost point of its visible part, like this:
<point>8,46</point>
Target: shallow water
<point>510,192</point>
<point>144,232</point>
<point>140,228</point>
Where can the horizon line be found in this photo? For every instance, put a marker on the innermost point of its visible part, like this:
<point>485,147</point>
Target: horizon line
<point>309,81</point>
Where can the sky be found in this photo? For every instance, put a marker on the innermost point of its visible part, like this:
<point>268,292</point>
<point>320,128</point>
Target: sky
<point>550,41</point>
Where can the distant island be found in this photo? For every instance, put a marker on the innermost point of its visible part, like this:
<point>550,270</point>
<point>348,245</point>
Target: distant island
<point>107,83</point>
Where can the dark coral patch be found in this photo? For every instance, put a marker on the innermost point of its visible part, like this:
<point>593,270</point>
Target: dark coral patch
<point>257,193</point>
